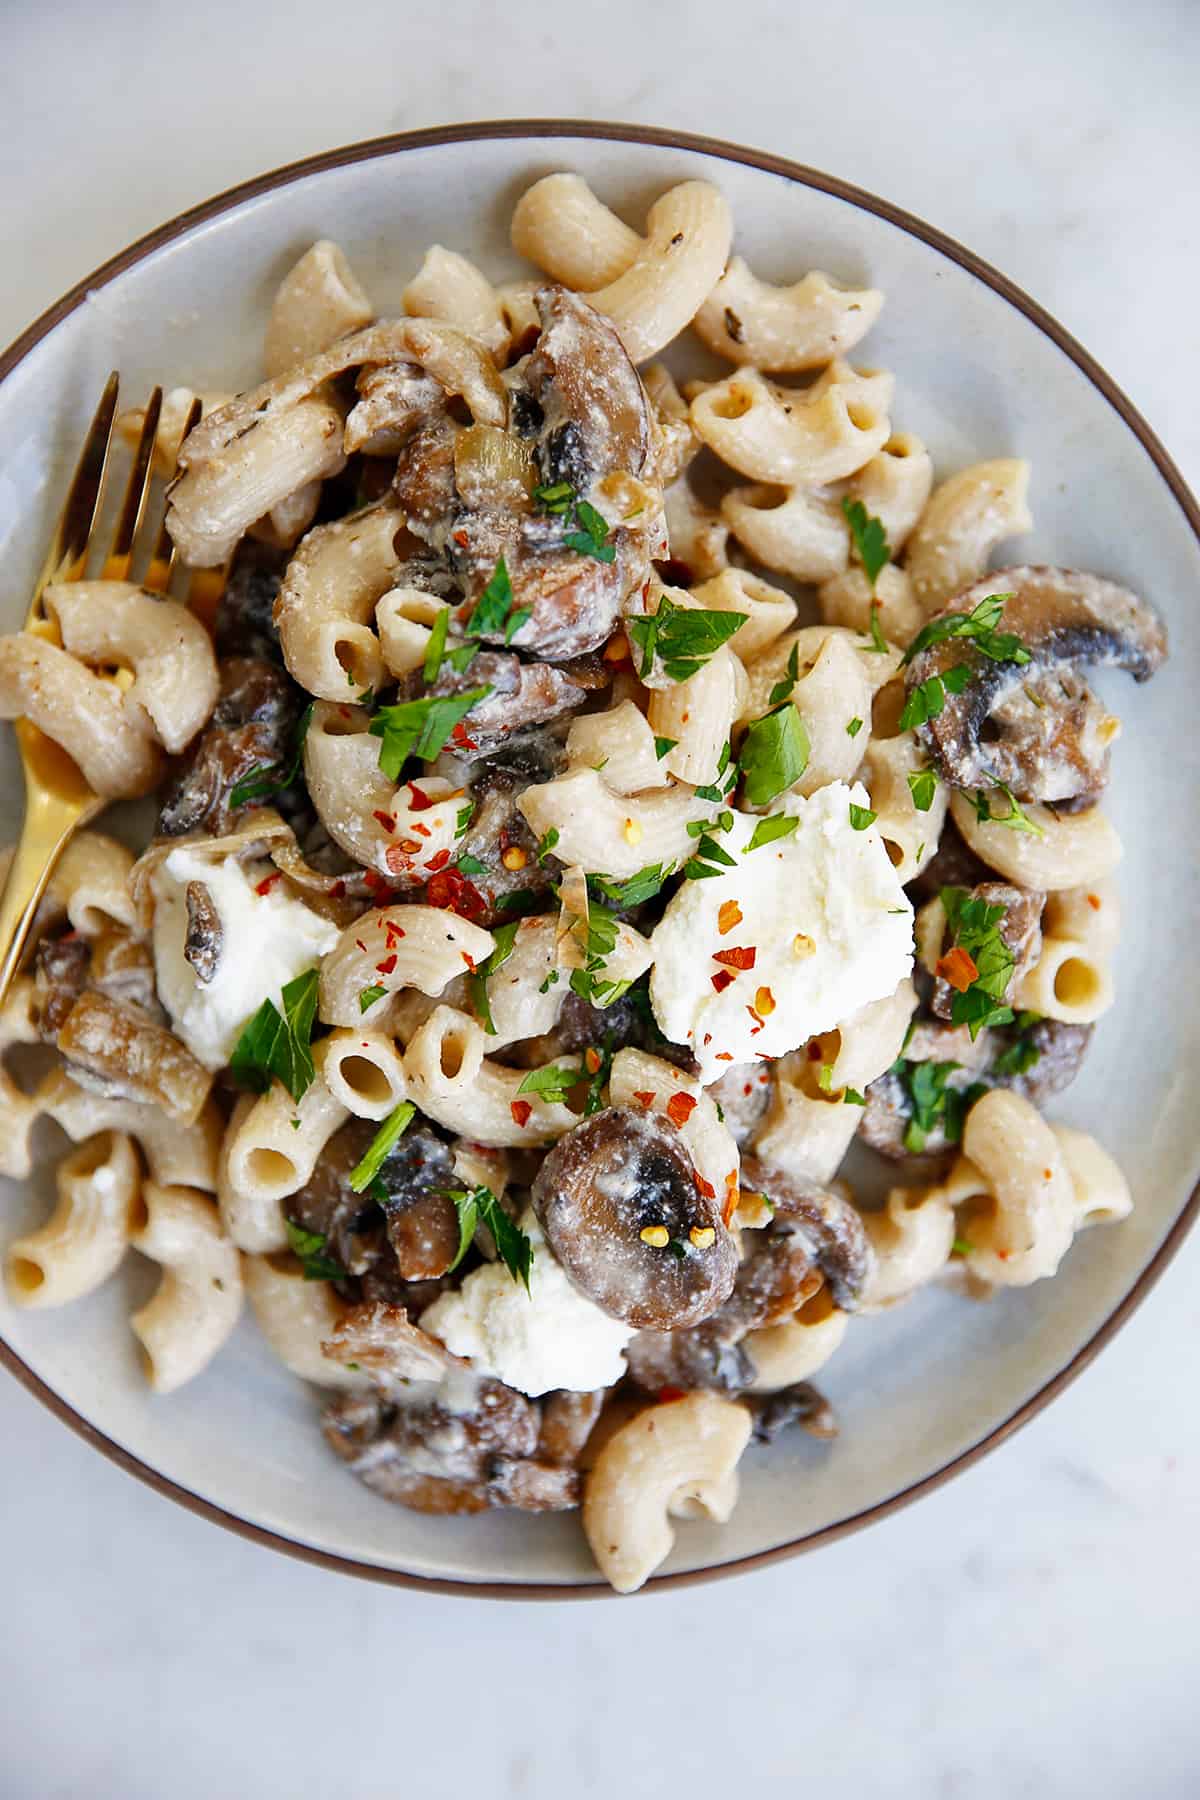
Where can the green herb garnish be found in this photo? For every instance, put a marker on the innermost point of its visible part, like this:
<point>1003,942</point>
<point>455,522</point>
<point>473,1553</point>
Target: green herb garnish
<point>633,891</point>
<point>280,1046</point>
<point>861,817</point>
<point>270,779</point>
<point>870,539</point>
<point>547,842</point>
<point>974,927</point>
<point>1015,818</point>
<point>773,756</point>
<point>363,1174</point>
<point>783,688</point>
<point>503,939</point>
<point>309,1246</point>
<point>663,746</point>
<point>420,727</point>
<point>472,865</point>
<point>928,699</point>
<point>775,825</point>
<point>480,1206</point>
<point>552,1083</point>
<point>980,626</point>
<point>435,650</point>
<point>683,638</point>
<point>368,996</point>
<point>854,727</point>
<point>922,785</point>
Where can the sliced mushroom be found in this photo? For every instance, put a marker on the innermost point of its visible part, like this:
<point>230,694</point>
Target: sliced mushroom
<point>123,968</point>
<point>567,1421</point>
<point>605,1196</point>
<point>245,616</point>
<point>594,413</point>
<point>410,1233</point>
<point>524,696</point>
<point>1060,1052</point>
<point>627,1022</point>
<point>205,934</point>
<point>115,1050</point>
<point>1036,726</point>
<point>802,1404</point>
<point>1019,930</point>
<point>61,968</point>
<point>382,1340</point>
<point>251,731</point>
<point>829,1224</point>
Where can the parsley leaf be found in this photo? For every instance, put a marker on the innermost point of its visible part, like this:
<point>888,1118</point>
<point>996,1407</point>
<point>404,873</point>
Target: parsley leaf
<point>270,779</point>
<point>368,996</point>
<point>547,842</point>
<point>591,535</point>
<point>281,1046</point>
<point>861,817</point>
<point>783,688</point>
<point>774,754</point>
<point>480,1206</point>
<point>980,626</point>
<point>922,785</point>
<point>503,939</point>
<point>930,1098</point>
<point>775,825</point>
<point>599,1080</point>
<point>489,616</point>
<point>435,650</point>
<point>1014,818</point>
<point>471,865</point>
<point>663,746</point>
<point>683,638</point>
<point>870,538</point>
<point>974,926</point>
<point>553,1083</point>
<point>309,1246</point>
<point>852,1097</point>
<point>928,699</point>
<point>631,892</point>
<point>390,1132</point>
<point>1021,1055</point>
<point>462,823</point>
<point>420,727</point>
<point>854,727</point>
<point>878,645</point>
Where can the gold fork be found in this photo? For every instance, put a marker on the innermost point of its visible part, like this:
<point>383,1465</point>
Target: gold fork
<point>58,801</point>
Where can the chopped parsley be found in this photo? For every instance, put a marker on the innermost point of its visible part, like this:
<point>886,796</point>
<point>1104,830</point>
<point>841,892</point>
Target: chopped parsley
<point>726,780</point>
<point>852,1097</point>
<point>870,539</point>
<point>878,645</point>
<point>479,1206</point>
<point>595,1094</point>
<point>663,746</point>
<point>503,939</point>
<point>364,1174</point>
<point>599,942</point>
<point>463,822</point>
<point>922,785</point>
<point>861,817</point>
<point>496,612</point>
<point>980,626</point>
<point>773,756</point>
<point>642,886</point>
<point>783,688</point>
<point>280,1045</point>
<point>420,727</point>
<point>974,927</point>
<point>683,638</point>
<point>928,699</point>
<point>590,529</point>
<point>553,1083</point>
<point>854,727</point>
<point>546,843</point>
<point>471,865</point>
<point>933,1101</point>
<point>435,650</point>
<point>368,996</point>
<point>1015,818</point>
<point>775,825</point>
<point>1023,1053</point>
<point>270,779</point>
<point>309,1246</point>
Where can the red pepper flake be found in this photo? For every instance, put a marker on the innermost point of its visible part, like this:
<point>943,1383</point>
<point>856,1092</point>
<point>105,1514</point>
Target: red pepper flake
<point>387,966</point>
<point>360,945</point>
<point>958,967</point>
<point>393,932</point>
<point>520,1110</point>
<point>1093,901</point>
<point>721,980</point>
<point>386,819</point>
<point>749,1088</point>
<point>1004,1255</point>
<point>708,1037</point>
<point>705,1187</point>
<point>724,1056</point>
<point>268,882</point>
<point>644,1096</point>
<point>591,1060</point>
<point>438,861</point>
<point>468,959</point>
<point>461,539</point>
<point>680,1108</point>
<point>1047,1174</point>
<point>422,830</point>
<point>730,914</point>
<point>420,801</point>
<point>450,890</point>
<point>732,1196</point>
<point>337,891</point>
<point>667,1394</point>
<point>459,737</point>
<point>758,1024</point>
<point>376,884</point>
<point>736,958</point>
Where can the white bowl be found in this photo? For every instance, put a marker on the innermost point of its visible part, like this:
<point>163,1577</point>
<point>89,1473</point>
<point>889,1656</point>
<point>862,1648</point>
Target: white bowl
<point>983,371</point>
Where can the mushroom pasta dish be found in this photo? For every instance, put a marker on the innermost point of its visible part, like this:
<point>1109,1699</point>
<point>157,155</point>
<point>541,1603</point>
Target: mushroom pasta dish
<point>597,800</point>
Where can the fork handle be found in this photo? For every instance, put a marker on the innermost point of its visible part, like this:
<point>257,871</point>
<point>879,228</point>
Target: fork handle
<point>33,863</point>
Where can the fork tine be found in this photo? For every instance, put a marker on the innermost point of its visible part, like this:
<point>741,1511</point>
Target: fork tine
<point>162,558</point>
<point>68,549</point>
<point>137,491</point>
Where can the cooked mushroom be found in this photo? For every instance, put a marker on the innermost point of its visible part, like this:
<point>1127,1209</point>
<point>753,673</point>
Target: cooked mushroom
<point>411,1232</point>
<point>830,1226</point>
<point>115,1050</point>
<point>524,696</point>
<point>567,1421</point>
<point>628,1021</point>
<point>594,415</point>
<point>1036,726</point>
<point>382,1340</point>
<point>203,940</point>
<point>1057,1051</point>
<point>743,1093</point>
<point>802,1404</point>
<point>245,621</point>
<point>620,1203</point>
<point>123,968</point>
<point>61,967</point>
<point>251,731</point>
<point>776,1277</point>
<point>1019,930</point>
<point>953,864</point>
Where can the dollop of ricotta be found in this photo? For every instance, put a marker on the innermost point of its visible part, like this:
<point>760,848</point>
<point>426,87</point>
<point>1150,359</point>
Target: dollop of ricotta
<point>550,1337</point>
<point>268,938</point>
<point>822,910</point>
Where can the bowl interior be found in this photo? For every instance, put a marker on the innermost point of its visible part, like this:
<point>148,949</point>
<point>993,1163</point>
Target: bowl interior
<point>914,1389</point>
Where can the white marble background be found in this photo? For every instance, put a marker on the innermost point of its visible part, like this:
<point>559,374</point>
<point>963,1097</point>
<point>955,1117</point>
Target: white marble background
<point>1028,1630</point>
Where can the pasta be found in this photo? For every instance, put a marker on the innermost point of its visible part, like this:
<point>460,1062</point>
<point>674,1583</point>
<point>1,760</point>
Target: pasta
<point>196,1304</point>
<point>539,858</point>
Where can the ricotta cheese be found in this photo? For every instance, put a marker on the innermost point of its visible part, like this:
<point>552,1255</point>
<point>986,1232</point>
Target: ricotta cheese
<point>824,914</point>
<point>552,1337</point>
<point>268,938</point>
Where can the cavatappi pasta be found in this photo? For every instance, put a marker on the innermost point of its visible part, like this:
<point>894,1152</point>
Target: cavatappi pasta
<point>528,928</point>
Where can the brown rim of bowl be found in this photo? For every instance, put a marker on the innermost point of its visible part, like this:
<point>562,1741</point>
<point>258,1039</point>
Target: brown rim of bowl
<point>946,246</point>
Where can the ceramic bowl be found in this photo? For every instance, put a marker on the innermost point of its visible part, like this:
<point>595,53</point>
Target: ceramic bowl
<point>982,371</point>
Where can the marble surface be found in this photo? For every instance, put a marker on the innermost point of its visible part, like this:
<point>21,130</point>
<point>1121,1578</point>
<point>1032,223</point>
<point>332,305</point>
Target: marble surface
<point>1028,1629</point>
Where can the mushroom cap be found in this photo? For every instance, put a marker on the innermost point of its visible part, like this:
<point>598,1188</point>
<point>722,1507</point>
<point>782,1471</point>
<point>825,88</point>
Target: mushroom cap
<point>1036,726</point>
<point>620,1173</point>
<point>829,1226</point>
